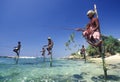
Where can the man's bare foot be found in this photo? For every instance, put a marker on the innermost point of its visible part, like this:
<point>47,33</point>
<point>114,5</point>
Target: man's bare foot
<point>49,53</point>
<point>98,43</point>
<point>90,43</point>
<point>95,44</point>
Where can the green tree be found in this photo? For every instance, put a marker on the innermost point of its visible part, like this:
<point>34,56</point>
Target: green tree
<point>112,46</point>
<point>91,51</point>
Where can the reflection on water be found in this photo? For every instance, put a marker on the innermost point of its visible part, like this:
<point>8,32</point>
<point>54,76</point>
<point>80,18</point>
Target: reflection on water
<point>35,70</point>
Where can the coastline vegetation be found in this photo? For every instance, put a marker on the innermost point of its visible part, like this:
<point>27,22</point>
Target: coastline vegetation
<point>112,46</point>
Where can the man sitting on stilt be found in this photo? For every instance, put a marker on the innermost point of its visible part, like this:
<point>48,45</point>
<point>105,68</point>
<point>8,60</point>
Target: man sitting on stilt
<point>92,31</point>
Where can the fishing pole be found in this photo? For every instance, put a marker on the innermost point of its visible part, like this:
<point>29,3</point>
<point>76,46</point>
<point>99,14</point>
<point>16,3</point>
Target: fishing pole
<point>76,29</point>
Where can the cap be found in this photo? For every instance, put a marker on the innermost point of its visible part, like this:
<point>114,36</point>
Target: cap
<point>49,37</point>
<point>90,12</point>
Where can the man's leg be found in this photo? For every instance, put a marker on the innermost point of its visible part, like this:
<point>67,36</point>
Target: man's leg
<point>97,37</point>
<point>49,51</point>
<point>98,43</point>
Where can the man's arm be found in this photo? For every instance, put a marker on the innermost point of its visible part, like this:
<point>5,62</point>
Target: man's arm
<point>79,29</point>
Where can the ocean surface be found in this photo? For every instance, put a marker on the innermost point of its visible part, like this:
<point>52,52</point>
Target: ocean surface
<point>62,70</point>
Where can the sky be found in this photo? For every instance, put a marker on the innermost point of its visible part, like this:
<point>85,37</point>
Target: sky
<point>32,21</point>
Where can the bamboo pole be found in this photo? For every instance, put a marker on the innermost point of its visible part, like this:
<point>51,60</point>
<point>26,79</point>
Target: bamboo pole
<point>17,57</point>
<point>104,64</point>
<point>51,59</point>
<point>44,58</point>
<point>102,51</point>
<point>85,57</point>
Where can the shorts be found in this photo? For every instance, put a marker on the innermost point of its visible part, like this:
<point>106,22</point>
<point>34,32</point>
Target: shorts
<point>96,35</point>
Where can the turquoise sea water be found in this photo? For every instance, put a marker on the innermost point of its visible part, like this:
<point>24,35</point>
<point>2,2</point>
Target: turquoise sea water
<point>63,70</point>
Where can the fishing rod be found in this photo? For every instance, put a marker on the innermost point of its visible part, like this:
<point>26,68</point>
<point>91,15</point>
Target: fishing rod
<point>76,29</point>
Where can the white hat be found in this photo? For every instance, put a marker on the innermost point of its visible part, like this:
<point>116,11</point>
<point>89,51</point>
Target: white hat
<point>91,12</point>
<point>49,37</point>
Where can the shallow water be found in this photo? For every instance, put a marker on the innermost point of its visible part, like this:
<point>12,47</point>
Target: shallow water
<point>63,70</point>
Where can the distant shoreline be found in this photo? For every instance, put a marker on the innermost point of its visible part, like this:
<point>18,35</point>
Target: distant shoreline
<point>113,59</point>
<point>6,57</point>
<point>19,57</point>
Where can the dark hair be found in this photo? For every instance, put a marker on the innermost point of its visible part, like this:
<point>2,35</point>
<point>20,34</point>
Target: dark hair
<point>19,42</point>
<point>82,45</point>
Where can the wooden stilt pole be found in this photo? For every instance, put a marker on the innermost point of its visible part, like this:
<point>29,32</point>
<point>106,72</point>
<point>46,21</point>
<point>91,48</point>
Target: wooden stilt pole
<point>44,58</point>
<point>17,57</point>
<point>103,60</point>
<point>51,59</point>
<point>102,51</point>
<point>85,57</point>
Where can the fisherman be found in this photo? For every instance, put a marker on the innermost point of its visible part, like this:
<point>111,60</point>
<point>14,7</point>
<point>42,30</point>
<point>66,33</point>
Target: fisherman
<point>17,49</point>
<point>82,51</point>
<point>93,31</point>
<point>50,46</point>
<point>43,51</point>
